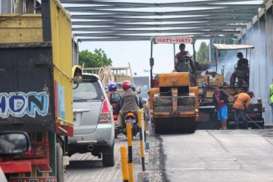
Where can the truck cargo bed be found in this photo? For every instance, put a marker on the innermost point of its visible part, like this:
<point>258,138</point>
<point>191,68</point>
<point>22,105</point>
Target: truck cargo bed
<point>27,86</point>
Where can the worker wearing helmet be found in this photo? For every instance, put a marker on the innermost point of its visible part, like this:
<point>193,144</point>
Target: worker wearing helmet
<point>129,100</point>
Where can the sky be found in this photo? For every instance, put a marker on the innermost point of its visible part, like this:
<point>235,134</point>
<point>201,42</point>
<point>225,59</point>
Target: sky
<point>137,54</point>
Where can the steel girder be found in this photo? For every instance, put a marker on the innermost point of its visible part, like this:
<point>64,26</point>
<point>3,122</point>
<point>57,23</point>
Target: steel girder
<point>116,20</point>
<point>243,9</point>
<point>130,26</point>
<point>136,32</point>
<point>145,38</point>
<point>141,5</point>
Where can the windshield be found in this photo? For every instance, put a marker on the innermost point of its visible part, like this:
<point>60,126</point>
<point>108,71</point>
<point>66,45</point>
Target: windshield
<point>87,91</point>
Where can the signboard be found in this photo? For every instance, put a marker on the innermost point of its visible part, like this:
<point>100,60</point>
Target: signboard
<point>173,40</point>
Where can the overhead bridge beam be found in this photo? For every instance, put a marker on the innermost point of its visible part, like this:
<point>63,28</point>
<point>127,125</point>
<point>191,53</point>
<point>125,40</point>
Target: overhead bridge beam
<point>127,19</point>
<point>137,32</point>
<point>109,24</point>
<point>141,38</point>
<point>148,5</point>
<point>232,12</point>
<point>130,26</point>
<point>120,28</point>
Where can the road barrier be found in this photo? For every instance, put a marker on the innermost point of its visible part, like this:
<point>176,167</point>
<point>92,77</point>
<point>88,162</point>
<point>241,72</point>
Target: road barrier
<point>130,151</point>
<point>127,162</point>
<point>124,164</point>
<point>141,137</point>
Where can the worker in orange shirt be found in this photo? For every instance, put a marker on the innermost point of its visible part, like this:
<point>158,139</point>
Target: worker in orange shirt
<point>241,103</point>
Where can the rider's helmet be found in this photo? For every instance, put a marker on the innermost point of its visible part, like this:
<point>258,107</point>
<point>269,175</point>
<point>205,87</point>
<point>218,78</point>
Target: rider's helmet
<point>126,85</point>
<point>112,87</point>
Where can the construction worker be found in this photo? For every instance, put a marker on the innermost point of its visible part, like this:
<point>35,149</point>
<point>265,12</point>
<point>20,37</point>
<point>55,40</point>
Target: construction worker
<point>242,62</point>
<point>241,72</point>
<point>220,99</point>
<point>241,103</point>
<point>183,61</point>
<point>271,97</point>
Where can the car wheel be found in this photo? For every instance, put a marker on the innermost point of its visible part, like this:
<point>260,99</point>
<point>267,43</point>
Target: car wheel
<point>108,158</point>
<point>60,165</point>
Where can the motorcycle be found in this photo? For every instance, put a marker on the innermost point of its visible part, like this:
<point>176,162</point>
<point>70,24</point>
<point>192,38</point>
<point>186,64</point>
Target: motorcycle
<point>116,109</point>
<point>130,117</point>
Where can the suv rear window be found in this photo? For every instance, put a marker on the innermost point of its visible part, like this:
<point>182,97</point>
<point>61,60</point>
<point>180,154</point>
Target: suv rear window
<point>87,91</point>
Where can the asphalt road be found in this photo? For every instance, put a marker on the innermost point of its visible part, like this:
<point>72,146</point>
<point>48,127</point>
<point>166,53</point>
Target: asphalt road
<point>87,168</point>
<point>219,156</point>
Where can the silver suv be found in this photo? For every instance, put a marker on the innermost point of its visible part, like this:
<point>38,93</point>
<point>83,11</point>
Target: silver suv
<point>94,129</point>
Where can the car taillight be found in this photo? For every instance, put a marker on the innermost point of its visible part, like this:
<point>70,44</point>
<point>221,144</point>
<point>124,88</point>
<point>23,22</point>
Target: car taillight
<point>105,115</point>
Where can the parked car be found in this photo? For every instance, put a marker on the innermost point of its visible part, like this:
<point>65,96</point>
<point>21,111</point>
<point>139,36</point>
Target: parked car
<point>94,129</point>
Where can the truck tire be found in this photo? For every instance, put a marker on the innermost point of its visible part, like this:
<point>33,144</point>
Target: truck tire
<point>108,158</point>
<point>60,165</point>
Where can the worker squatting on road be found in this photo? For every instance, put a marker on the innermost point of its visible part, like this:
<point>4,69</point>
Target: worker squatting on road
<point>241,103</point>
<point>220,99</point>
<point>271,97</point>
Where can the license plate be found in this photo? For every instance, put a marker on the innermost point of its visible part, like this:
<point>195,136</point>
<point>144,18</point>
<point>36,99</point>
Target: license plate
<point>29,179</point>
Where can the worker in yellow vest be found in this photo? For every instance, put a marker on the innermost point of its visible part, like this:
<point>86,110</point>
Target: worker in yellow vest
<point>271,96</point>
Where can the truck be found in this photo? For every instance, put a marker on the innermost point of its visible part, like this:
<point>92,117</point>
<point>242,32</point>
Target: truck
<point>173,97</point>
<point>36,115</point>
<point>238,82</point>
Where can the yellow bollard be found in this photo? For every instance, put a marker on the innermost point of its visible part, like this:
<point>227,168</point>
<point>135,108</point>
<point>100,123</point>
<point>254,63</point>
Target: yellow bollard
<point>130,151</point>
<point>141,137</point>
<point>124,164</point>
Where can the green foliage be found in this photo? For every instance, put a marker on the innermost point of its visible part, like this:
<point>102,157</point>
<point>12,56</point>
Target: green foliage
<point>203,53</point>
<point>98,58</point>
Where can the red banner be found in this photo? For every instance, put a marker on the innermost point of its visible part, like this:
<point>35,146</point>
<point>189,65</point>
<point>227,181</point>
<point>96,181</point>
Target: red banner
<point>173,40</point>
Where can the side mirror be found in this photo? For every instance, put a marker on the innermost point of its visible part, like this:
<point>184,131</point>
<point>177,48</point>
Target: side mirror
<point>14,143</point>
<point>77,76</point>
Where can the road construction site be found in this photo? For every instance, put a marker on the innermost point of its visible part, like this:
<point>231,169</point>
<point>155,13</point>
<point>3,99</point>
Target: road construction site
<point>200,121</point>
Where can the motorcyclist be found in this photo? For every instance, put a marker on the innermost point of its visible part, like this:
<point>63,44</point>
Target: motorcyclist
<point>114,97</point>
<point>129,101</point>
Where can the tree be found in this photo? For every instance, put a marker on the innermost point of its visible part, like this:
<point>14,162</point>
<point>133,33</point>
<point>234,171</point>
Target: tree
<point>98,58</point>
<point>203,53</point>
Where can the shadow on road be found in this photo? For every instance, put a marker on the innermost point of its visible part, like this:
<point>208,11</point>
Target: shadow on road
<point>85,164</point>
